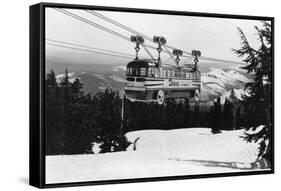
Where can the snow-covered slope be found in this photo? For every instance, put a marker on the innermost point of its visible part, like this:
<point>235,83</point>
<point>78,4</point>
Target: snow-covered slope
<point>71,76</point>
<point>218,82</point>
<point>195,144</point>
<point>159,153</point>
<point>227,76</point>
<point>117,78</point>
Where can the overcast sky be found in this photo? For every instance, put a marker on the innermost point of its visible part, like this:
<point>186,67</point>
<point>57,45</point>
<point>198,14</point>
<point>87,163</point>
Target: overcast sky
<point>214,37</point>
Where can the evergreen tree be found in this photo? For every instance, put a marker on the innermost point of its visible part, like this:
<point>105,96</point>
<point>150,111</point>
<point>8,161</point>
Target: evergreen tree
<point>170,113</point>
<point>227,115</point>
<point>67,126</point>
<point>109,121</point>
<point>232,96</point>
<point>54,113</point>
<point>216,116</point>
<point>77,137</point>
<point>187,113</point>
<point>211,119</point>
<point>258,104</point>
<point>74,121</point>
<point>196,115</point>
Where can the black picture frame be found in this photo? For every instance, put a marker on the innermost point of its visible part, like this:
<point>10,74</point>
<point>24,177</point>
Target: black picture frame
<point>37,95</point>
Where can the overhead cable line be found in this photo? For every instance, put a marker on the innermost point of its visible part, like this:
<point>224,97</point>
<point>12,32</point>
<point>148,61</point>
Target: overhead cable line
<point>101,27</point>
<point>128,39</point>
<point>89,47</point>
<point>87,50</point>
<point>118,24</point>
<point>150,39</point>
<point>132,31</point>
<point>204,30</point>
<point>126,28</point>
<point>92,23</point>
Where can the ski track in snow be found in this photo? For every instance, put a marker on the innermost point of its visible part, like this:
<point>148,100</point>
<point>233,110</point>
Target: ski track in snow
<point>159,153</point>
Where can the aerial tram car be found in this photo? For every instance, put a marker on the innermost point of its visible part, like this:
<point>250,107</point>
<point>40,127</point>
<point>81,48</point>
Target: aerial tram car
<point>152,80</point>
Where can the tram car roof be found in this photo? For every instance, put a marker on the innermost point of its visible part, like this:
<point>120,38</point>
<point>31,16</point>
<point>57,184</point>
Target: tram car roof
<point>146,63</point>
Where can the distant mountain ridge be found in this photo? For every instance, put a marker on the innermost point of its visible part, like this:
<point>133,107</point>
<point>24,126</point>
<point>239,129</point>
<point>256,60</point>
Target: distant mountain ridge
<point>216,82</point>
<point>95,82</point>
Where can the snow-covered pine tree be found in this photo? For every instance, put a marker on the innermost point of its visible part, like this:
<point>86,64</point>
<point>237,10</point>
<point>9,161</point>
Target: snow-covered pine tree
<point>258,104</point>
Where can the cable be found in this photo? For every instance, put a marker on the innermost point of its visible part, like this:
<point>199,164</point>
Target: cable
<point>220,60</point>
<point>130,30</point>
<point>118,24</point>
<point>204,30</point>
<point>100,27</point>
<point>89,47</point>
<point>150,39</point>
<point>92,23</point>
<point>91,51</point>
<point>126,28</point>
<point>128,39</point>
<point>147,51</point>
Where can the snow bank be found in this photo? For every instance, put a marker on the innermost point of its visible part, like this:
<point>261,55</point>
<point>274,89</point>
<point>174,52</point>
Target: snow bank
<point>158,153</point>
<point>196,144</point>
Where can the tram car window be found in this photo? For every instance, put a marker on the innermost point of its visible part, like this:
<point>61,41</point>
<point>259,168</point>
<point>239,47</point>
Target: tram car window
<point>137,71</point>
<point>171,74</point>
<point>129,71</point>
<point>157,73</point>
<point>166,73</point>
<point>151,72</point>
<point>143,72</point>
